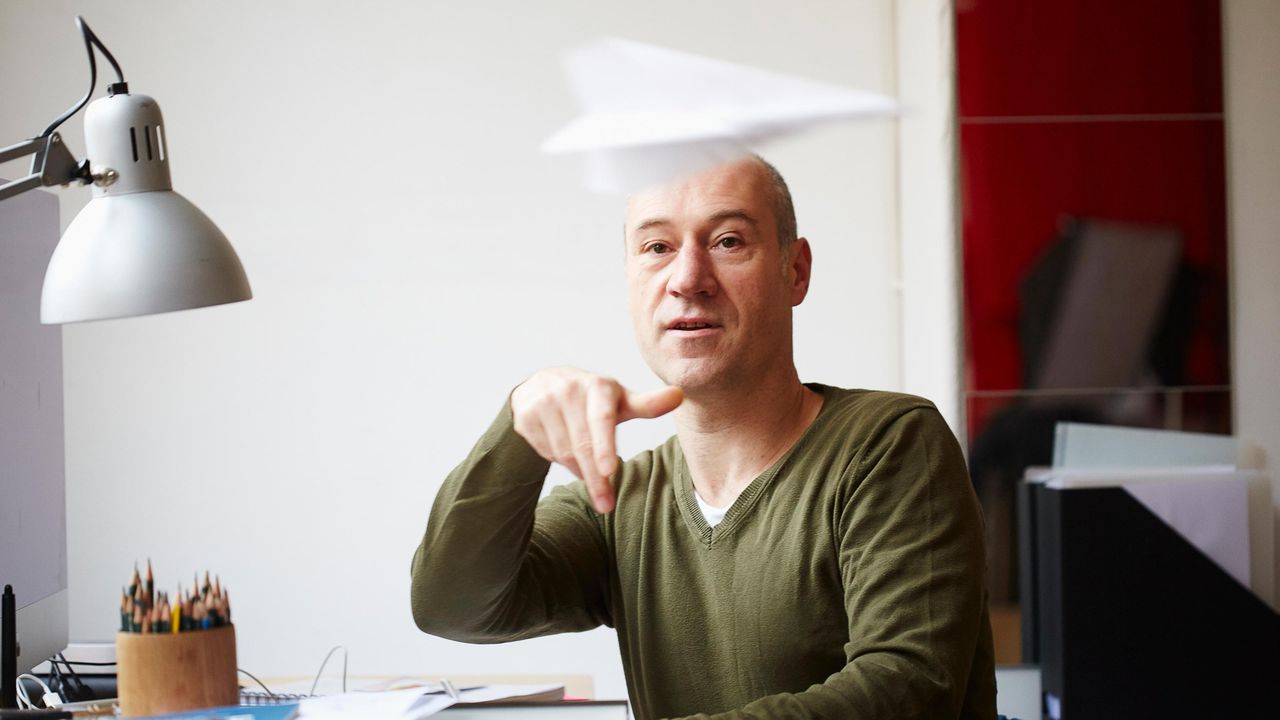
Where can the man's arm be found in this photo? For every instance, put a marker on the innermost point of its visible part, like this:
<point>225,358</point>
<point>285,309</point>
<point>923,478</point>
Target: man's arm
<point>911,555</point>
<point>490,568</point>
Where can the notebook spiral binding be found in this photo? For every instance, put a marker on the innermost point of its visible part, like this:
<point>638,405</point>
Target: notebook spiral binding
<point>258,697</point>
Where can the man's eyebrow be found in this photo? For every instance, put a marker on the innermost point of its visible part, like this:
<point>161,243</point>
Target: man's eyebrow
<point>650,223</point>
<point>732,215</point>
<point>721,216</point>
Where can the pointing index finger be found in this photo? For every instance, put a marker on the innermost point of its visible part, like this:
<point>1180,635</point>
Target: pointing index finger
<point>602,423</point>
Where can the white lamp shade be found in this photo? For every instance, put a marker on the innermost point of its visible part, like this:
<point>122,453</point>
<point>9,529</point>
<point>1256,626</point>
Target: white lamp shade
<point>140,253</point>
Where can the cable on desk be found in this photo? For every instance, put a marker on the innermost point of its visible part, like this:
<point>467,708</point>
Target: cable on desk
<point>24,700</point>
<point>260,683</point>
<point>319,672</point>
<point>67,683</point>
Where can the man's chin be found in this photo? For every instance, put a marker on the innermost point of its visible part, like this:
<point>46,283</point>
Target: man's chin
<point>692,375</point>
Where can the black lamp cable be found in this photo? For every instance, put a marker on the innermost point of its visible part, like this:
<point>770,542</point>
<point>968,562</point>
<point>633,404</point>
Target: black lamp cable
<point>90,40</point>
<point>71,687</point>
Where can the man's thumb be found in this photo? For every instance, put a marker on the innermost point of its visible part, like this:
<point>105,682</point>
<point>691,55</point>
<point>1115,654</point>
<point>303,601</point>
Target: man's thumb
<point>652,404</point>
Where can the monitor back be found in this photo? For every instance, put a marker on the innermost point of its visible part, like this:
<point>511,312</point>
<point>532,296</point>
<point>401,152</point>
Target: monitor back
<point>33,519</point>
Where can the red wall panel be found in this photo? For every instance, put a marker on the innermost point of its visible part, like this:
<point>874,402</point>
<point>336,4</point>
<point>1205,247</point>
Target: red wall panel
<point>1073,57</point>
<point>1048,91</point>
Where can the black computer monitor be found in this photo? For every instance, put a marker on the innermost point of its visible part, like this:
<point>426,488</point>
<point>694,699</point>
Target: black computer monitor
<point>33,520</point>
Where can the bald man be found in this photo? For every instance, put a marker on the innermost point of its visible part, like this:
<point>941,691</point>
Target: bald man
<point>795,551</point>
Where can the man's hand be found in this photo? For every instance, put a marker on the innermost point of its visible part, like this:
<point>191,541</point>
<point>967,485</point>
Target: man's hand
<point>570,417</point>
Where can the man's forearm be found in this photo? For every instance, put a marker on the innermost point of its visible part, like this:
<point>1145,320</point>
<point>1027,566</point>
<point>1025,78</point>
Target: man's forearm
<point>874,686</point>
<point>476,534</point>
<point>487,570</point>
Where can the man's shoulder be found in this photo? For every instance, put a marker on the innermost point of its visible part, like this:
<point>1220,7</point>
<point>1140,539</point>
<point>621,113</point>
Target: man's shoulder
<point>868,410</point>
<point>866,423</point>
<point>855,424</point>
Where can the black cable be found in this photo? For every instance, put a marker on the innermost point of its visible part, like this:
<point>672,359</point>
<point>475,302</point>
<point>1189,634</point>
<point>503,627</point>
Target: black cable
<point>74,688</point>
<point>54,680</point>
<point>255,679</point>
<point>90,40</point>
<point>89,34</point>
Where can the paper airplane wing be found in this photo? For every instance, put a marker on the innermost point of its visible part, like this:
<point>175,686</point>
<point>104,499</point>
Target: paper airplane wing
<point>651,113</point>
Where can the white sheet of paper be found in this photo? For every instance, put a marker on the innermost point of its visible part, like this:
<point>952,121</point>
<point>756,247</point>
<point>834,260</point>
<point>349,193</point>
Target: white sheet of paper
<point>651,113</point>
<point>409,704</point>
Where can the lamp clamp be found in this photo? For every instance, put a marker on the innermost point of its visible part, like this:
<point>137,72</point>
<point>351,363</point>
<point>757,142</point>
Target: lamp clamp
<point>52,164</point>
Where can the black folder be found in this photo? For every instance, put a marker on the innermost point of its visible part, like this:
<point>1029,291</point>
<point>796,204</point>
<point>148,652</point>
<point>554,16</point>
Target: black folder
<point>1132,621</point>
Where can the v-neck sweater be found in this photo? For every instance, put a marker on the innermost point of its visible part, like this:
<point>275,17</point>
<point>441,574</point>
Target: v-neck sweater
<point>846,581</point>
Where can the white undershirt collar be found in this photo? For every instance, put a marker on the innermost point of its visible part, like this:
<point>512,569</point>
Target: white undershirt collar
<point>713,515</point>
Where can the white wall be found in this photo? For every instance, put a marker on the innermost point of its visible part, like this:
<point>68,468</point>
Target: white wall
<point>929,248</point>
<point>413,257</point>
<point>1251,29</point>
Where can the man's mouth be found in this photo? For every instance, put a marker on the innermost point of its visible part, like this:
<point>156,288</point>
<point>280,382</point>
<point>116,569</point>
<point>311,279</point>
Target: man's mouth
<point>693,327</point>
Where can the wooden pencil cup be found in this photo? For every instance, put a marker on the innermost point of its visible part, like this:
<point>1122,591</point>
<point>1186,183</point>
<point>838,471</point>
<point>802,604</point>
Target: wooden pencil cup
<point>175,672</point>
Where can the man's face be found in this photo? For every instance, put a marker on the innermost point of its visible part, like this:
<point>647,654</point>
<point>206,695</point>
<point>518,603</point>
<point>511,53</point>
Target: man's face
<point>710,288</point>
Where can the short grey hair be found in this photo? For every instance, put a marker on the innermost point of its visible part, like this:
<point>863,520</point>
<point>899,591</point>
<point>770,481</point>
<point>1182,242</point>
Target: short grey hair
<point>784,209</point>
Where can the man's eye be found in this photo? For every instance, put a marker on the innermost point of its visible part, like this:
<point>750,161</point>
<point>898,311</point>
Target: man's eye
<point>657,248</point>
<point>730,241</point>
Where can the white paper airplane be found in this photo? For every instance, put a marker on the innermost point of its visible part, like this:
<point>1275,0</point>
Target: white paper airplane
<point>652,113</point>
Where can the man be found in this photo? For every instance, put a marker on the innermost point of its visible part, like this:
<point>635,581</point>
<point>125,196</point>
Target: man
<point>795,551</point>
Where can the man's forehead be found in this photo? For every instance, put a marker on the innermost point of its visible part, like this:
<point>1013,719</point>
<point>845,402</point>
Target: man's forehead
<point>736,188</point>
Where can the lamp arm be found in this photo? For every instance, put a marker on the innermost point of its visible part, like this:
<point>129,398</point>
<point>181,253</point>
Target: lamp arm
<point>53,164</point>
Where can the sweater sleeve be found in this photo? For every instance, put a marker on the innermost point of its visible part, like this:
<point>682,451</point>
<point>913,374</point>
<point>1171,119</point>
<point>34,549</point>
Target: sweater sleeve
<point>495,564</point>
<point>911,557</point>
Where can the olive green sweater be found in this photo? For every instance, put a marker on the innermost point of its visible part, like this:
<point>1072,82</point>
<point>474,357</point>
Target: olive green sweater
<point>847,581</point>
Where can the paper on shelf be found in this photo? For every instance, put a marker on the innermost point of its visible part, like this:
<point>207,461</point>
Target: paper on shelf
<point>1079,446</point>
<point>651,113</point>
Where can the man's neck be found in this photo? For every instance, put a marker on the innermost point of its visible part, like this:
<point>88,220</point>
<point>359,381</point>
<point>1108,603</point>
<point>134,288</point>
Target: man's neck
<point>729,438</point>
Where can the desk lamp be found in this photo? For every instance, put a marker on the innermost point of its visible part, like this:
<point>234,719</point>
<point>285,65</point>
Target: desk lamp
<point>138,247</point>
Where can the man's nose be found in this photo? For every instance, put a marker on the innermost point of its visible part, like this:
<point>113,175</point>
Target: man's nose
<point>692,272</point>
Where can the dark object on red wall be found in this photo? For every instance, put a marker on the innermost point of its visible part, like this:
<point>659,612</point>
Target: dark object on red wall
<point>1092,305</point>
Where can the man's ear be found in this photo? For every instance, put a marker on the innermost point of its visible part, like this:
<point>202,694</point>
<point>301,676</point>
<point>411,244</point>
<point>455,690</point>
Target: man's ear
<point>799,267</point>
